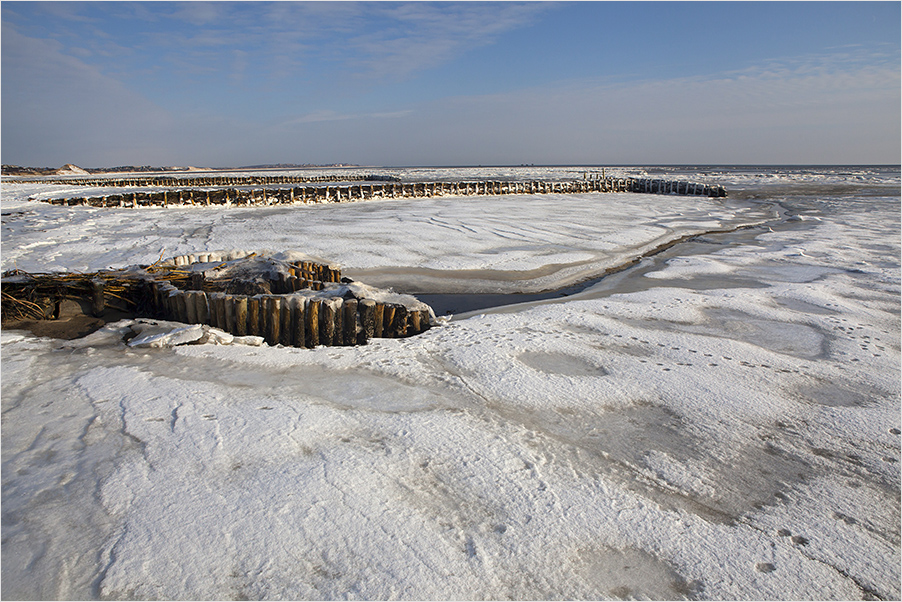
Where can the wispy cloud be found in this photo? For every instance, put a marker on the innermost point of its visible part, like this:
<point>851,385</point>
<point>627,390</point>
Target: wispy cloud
<point>422,35</point>
<point>329,115</point>
<point>400,39</point>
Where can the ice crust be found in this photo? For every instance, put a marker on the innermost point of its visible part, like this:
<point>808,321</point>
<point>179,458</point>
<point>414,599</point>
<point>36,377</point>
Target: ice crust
<point>722,424</point>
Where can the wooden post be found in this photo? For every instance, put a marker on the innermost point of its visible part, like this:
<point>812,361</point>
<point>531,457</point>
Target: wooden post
<point>298,321</point>
<point>399,324</point>
<point>414,322</point>
<point>241,316</point>
<point>272,311</point>
<point>312,323</point>
<point>285,326</point>
<point>190,307</point>
<point>220,306</point>
<point>98,304</point>
<point>201,313</point>
<point>196,281</point>
<point>253,315</point>
<point>367,310</point>
<point>388,318</point>
<point>378,320</point>
<point>350,319</point>
<point>338,308</point>
<point>229,302</point>
<point>327,323</point>
<point>169,302</point>
<point>198,311</point>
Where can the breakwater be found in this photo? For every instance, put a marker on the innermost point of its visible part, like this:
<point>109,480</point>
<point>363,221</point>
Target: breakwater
<point>251,196</point>
<point>208,180</point>
<point>295,303</point>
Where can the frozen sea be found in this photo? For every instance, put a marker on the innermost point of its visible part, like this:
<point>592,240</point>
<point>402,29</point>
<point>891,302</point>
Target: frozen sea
<point>718,420</point>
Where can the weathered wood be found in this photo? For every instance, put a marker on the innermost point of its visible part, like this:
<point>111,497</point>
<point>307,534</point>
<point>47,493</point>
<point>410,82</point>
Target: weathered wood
<point>285,319</point>
<point>367,310</point>
<point>378,319</point>
<point>350,321</point>
<point>312,323</point>
<point>298,321</point>
<point>414,322</point>
<point>253,316</point>
<point>338,335</point>
<point>220,306</point>
<point>241,316</point>
<point>271,311</point>
<point>399,323</point>
<point>190,307</point>
<point>388,318</point>
<point>98,302</point>
<point>424,321</point>
<point>196,281</point>
<point>327,323</point>
<point>231,315</point>
<point>181,301</point>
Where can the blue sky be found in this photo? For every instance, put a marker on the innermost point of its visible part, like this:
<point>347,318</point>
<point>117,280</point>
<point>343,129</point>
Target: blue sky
<point>384,83</point>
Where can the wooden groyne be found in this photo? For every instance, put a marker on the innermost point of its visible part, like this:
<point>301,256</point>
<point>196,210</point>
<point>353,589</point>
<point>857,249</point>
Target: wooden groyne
<point>678,187</point>
<point>303,304</point>
<point>198,181</point>
<point>245,197</point>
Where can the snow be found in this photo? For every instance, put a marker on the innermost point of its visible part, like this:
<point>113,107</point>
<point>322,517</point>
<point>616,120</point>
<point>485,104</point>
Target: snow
<point>721,421</point>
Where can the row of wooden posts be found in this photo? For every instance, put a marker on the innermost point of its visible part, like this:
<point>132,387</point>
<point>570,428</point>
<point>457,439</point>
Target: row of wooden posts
<point>678,187</point>
<point>301,274</point>
<point>337,194</point>
<point>305,305</point>
<point>290,316</point>
<point>195,181</point>
<point>296,320</point>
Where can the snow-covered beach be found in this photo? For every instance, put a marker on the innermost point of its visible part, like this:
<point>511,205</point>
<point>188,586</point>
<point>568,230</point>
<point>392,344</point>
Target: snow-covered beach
<point>721,421</point>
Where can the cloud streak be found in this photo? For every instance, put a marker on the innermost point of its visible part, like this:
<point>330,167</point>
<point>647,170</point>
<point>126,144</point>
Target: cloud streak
<point>329,115</point>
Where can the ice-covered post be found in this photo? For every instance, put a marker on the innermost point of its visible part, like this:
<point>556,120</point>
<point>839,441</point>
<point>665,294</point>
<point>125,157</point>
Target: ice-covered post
<point>327,322</point>
<point>253,313</point>
<point>350,321</point>
<point>367,310</point>
<point>298,322</point>
<point>98,304</point>
<point>272,311</point>
<point>285,333</point>
<point>399,323</point>
<point>388,317</point>
<point>241,316</point>
<point>378,319</point>
<point>338,333</point>
<point>414,322</point>
<point>312,323</point>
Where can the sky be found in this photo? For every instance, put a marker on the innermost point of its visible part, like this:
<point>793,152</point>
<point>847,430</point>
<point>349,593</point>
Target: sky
<point>499,83</point>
